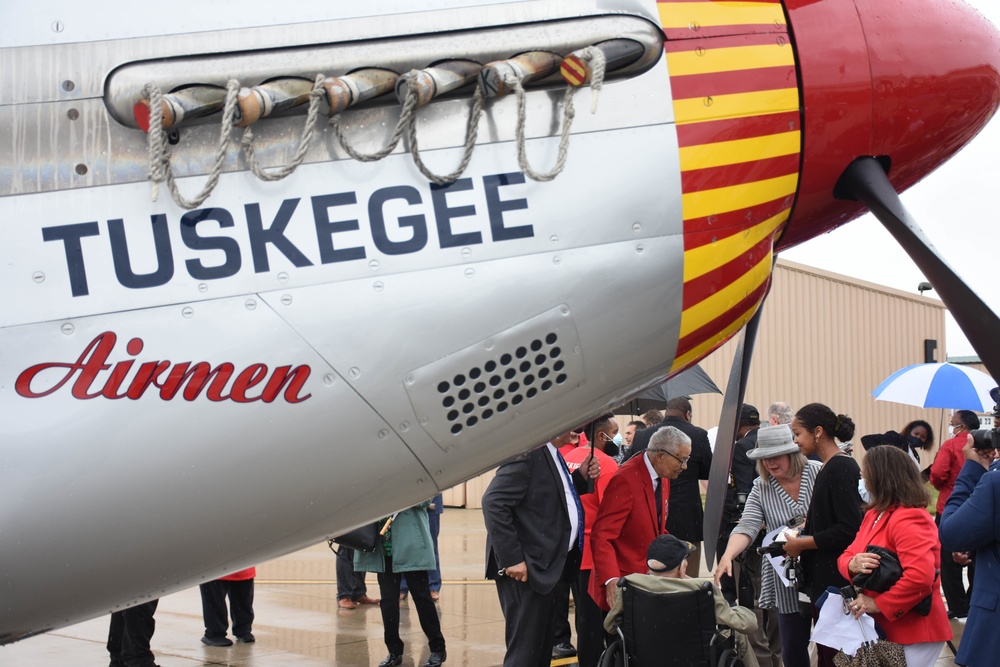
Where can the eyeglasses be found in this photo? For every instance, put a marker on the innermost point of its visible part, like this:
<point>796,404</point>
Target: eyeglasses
<point>683,461</point>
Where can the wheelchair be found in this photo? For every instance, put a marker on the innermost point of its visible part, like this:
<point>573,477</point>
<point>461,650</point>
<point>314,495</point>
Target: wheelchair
<point>670,630</point>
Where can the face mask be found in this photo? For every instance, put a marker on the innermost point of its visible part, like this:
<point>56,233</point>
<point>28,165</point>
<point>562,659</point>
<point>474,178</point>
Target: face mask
<point>915,441</point>
<point>863,491</point>
<point>618,440</point>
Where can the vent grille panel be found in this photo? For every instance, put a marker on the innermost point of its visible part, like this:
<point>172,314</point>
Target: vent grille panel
<point>485,385</point>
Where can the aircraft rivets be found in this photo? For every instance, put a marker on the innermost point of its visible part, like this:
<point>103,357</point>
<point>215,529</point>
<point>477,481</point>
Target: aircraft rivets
<point>329,379</point>
<point>636,227</point>
<point>557,260</point>
<point>383,434</point>
<point>408,379</point>
<point>73,114</point>
<point>286,299</point>
<point>81,169</point>
<point>68,85</point>
<point>251,304</point>
<point>488,344</point>
<point>639,248</point>
<point>373,265</point>
<point>694,25</point>
<point>57,26</point>
<point>68,329</point>
<point>778,24</point>
<point>466,253</point>
<point>187,312</point>
<point>470,273</point>
<point>202,287</point>
<point>564,309</point>
<point>378,286</point>
<point>282,277</point>
<point>423,422</point>
<point>355,373</point>
<point>709,101</point>
<point>781,41</point>
<point>554,239</point>
<point>700,51</point>
<point>404,427</point>
<point>38,277</point>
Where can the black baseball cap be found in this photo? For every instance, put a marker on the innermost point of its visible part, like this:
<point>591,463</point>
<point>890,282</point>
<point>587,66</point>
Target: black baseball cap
<point>749,415</point>
<point>667,552</point>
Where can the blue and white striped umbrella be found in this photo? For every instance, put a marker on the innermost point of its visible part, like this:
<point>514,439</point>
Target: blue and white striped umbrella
<point>938,386</point>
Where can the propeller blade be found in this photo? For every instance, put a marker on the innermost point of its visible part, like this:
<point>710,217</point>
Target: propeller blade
<point>725,438</point>
<point>866,181</point>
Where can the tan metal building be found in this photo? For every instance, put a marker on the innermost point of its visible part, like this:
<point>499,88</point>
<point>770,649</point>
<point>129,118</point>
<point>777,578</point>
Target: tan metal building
<point>824,338</point>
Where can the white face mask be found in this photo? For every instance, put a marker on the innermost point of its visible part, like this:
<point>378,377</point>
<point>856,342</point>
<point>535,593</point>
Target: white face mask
<point>863,491</point>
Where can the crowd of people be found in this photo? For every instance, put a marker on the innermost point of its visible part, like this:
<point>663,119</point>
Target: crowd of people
<point>796,493</point>
<point>595,508</point>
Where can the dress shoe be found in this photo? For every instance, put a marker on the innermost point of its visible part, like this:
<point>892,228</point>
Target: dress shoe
<point>248,638</point>
<point>437,659</point>
<point>364,599</point>
<point>435,595</point>
<point>216,641</point>
<point>346,603</point>
<point>391,660</point>
<point>564,650</point>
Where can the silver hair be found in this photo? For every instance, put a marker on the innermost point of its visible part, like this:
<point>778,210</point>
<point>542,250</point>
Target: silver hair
<point>669,438</point>
<point>783,412</point>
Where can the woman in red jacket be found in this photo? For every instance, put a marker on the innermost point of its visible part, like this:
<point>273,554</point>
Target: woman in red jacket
<point>897,519</point>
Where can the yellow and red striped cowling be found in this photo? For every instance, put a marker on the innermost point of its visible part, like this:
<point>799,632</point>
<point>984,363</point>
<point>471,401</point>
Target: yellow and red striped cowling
<point>736,106</point>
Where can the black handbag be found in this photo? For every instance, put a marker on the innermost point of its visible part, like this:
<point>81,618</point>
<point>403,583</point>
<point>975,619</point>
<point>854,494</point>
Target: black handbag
<point>363,539</point>
<point>885,576</point>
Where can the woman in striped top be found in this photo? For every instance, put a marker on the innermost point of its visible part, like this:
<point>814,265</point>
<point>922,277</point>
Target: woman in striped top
<point>780,494</point>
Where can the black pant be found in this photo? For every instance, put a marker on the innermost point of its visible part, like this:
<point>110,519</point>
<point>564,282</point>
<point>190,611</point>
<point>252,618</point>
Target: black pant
<point>529,621</point>
<point>590,635</point>
<point>952,585</point>
<point>350,584</point>
<point>129,636</point>
<point>388,585</point>
<point>562,633</point>
<point>213,607</point>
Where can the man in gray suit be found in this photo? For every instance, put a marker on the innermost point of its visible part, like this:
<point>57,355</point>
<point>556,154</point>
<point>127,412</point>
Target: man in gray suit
<point>534,539</point>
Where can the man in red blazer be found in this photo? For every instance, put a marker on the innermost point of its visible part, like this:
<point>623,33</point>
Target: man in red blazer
<point>628,520</point>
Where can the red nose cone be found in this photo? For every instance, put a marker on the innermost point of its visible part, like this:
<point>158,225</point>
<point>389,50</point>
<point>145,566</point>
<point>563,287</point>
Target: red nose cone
<point>913,80</point>
<point>936,80</point>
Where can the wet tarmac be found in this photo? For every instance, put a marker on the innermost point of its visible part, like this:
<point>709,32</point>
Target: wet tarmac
<point>299,624</point>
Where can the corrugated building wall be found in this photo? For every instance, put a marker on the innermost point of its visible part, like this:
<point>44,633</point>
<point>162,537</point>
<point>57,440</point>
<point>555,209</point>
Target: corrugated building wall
<point>823,338</point>
<point>832,339</point>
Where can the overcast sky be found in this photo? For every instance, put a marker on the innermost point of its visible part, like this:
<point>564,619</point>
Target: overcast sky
<point>956,206</point>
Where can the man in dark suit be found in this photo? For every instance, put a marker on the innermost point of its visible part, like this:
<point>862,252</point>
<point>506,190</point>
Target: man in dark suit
<point>630,517</point>
<point>686,515</point>
<point>971,522</point>
<point>534,532</point>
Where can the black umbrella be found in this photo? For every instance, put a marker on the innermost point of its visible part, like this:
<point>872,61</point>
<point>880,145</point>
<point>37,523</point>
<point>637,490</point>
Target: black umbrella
<point>692,381</point>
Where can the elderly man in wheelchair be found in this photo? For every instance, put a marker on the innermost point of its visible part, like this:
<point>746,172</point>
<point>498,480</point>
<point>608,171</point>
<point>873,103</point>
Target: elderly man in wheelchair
<point>667,618</point>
